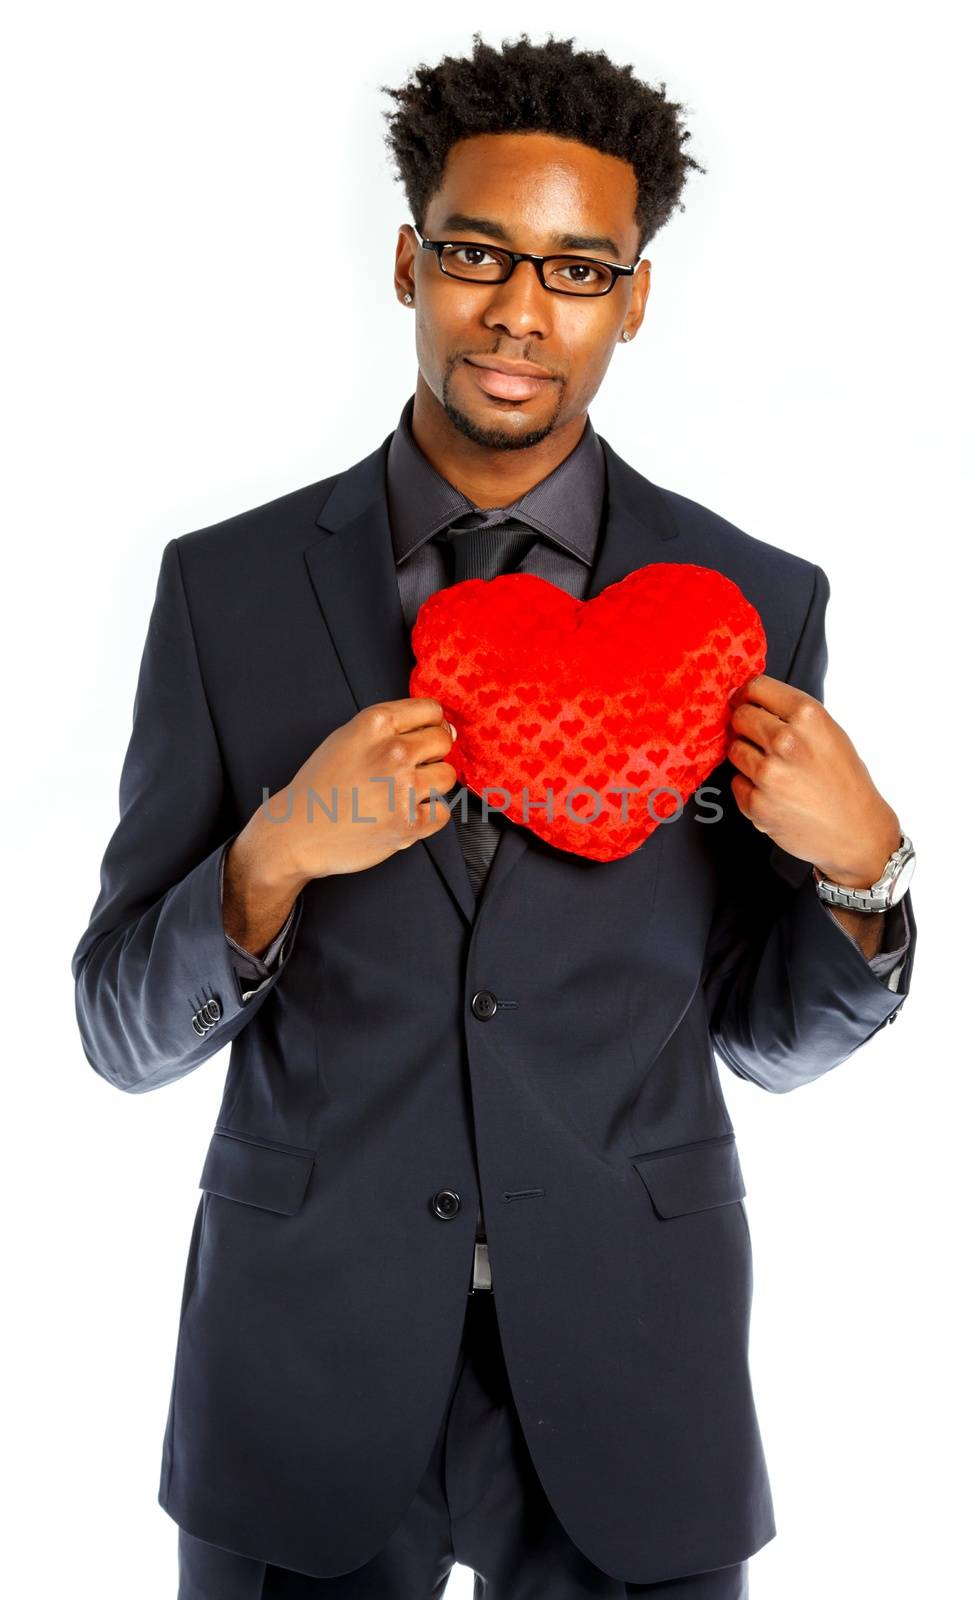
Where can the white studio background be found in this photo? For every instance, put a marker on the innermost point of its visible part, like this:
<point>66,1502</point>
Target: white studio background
<point>189,334</point>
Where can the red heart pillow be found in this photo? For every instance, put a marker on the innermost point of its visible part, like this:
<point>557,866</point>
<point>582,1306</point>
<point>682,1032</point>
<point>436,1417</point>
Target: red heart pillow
<point>555,695</point>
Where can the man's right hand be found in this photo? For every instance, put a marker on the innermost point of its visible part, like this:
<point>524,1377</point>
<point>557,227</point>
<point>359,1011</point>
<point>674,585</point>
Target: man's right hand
<point>293,838</point>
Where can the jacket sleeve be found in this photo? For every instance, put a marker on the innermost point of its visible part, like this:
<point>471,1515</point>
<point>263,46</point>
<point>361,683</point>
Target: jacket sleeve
<point>789,992</point>
<point>156,990</point>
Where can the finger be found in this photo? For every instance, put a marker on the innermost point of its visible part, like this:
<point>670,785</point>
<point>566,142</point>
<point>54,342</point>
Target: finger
<point>781,699</point>
<point>742,694</point>
<point>429,819</point>
<point>740,788</point>
<point>437,778</point>
<point>754,723</point>
<point>417,711</point>
<point>430,744</point>
<point>747,758</point>
<point>430,815</point>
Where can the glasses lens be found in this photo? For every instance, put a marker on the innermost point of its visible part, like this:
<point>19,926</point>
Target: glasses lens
<point>577,275</point>
<point>476,262</point>
<point>480,263</point>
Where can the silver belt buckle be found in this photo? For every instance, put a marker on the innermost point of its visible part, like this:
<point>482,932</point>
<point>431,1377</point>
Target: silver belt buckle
<point>481,1276</point>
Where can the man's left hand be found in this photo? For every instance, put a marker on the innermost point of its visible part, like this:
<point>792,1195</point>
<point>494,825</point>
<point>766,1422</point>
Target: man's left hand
<point>801,781</point>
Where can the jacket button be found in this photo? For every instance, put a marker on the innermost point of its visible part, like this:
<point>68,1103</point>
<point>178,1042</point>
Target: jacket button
<point>484,1004</point>
<point>445,1204</point>
<point>207,1016</point>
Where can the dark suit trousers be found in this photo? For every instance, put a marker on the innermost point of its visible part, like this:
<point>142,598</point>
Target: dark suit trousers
<point>479,1503</point>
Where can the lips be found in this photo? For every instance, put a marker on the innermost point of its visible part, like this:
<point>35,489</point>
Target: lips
<point>506,385</point>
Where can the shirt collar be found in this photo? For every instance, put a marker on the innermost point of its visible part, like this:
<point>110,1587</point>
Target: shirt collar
<point>566,506</point>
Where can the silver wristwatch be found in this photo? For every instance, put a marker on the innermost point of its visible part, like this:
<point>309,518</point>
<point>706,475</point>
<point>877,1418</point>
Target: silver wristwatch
<point>890,886</point>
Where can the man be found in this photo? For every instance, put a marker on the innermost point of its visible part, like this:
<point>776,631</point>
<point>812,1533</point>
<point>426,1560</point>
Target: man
<point>470,1276</point>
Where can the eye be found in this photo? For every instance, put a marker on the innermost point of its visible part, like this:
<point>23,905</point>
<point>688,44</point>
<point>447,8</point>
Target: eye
<point>578,272</point>
<point>578,275</point>
<point>471,255</point>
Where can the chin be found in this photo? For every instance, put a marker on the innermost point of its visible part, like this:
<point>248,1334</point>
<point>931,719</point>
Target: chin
<point>497,436</point>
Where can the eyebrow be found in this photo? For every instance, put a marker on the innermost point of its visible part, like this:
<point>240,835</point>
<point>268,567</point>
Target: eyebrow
<point>564,241</point>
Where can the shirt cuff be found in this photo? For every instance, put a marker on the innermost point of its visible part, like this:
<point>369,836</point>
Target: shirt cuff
<point>258,970</point>
<point>888,961</point>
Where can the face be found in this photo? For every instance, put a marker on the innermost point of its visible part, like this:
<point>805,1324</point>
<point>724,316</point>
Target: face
<point>533,192</point>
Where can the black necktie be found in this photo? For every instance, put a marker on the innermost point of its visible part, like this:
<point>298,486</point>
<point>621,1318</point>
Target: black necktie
<point>481,549</point>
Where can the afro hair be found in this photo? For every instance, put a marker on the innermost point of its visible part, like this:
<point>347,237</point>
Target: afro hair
<point>546,88</point>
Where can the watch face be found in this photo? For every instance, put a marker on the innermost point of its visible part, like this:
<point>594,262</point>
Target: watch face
<point>901,882</point>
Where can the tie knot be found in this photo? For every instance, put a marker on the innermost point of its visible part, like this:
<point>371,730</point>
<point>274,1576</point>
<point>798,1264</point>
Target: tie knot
<point>481,549</point>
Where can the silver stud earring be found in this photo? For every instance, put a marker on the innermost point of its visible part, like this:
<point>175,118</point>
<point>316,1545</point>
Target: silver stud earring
<point>625,336</point>
<point>408,297</point>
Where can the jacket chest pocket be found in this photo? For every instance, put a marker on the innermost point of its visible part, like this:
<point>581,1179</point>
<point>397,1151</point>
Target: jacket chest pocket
<point>692,1177</point>
<point>257,1172</point>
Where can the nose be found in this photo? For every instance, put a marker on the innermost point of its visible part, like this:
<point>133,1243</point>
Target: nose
<point>520,305</point>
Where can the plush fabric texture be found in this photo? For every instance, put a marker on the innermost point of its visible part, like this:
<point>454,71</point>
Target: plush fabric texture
<point>554,694</point>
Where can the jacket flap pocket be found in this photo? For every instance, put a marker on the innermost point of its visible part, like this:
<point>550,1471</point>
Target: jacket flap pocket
<point>258,1174</point>
<point>692,1177</point>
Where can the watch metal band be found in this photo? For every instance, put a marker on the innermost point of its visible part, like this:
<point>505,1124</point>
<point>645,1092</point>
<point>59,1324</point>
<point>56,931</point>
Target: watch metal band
<point>879,895</point>
<point>855,899</point>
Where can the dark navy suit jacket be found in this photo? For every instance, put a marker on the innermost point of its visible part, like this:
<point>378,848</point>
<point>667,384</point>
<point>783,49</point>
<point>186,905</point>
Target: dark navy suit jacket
<point>324,1296</point>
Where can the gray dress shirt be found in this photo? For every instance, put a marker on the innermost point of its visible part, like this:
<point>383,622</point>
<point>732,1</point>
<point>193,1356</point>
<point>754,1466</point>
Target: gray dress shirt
<point>566,510</point>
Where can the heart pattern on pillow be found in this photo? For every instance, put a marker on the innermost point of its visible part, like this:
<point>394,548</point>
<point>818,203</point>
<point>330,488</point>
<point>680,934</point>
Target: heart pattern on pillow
<point>571,700</point>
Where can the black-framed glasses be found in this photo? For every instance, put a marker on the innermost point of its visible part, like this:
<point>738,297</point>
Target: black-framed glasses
<point>490,263</point>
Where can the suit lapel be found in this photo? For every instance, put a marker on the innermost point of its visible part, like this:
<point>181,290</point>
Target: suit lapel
<point>353,573</point>
<point>355,579</point>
